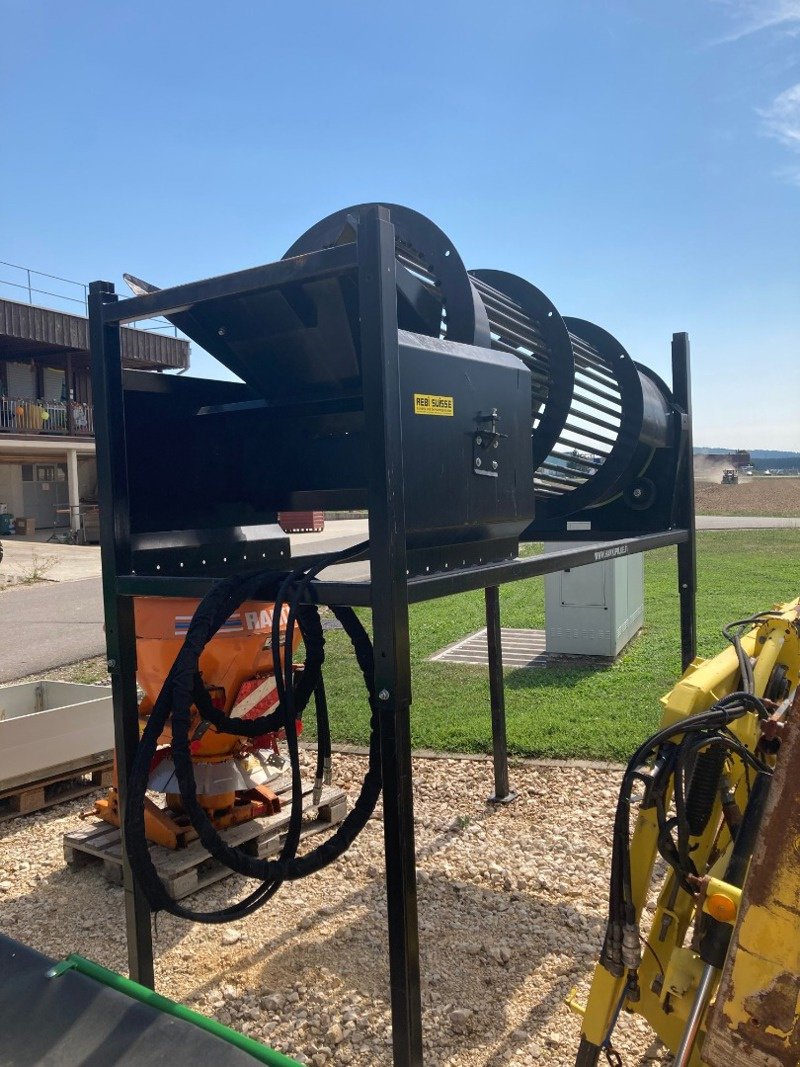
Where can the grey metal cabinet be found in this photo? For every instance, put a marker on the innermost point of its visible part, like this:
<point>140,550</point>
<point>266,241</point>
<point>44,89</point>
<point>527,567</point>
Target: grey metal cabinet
<point>594,610</point>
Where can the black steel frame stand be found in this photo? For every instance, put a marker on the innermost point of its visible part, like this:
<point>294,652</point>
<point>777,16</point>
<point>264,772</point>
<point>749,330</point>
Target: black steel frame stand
<point>381,384</point>
<point>387,594</point>
<point>494,645</point>
<point>685,512</point>
<point>115,555</point>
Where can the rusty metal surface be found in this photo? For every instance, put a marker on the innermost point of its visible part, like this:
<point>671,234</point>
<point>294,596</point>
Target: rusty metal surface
<point>58,331</point>
<point>755,1019</point>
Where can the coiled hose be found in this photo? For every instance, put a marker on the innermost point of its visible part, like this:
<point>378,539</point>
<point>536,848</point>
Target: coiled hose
<point>184,688</point>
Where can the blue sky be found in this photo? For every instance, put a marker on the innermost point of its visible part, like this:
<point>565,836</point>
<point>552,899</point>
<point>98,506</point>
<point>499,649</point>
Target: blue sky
<point>638,161</point>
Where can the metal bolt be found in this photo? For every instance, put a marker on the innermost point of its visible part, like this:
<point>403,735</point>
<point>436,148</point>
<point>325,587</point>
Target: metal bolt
<point>111,664</point>
<point>478,440</point>
<point>494,464</point>
<point>495,443</point>
<point>222,331</point>
<point>637,493</point>
<point>477,462</point>
<point>383,695</point>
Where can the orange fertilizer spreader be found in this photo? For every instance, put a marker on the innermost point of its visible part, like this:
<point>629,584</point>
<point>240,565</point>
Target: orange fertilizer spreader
<point>237,668</point>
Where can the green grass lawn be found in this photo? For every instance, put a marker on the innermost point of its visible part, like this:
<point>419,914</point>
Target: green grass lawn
<point>560,711</point>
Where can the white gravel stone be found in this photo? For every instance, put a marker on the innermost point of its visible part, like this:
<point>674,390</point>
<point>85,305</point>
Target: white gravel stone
<point>460,1017</point>
<point>335,1034</point>
<point>308,974</point>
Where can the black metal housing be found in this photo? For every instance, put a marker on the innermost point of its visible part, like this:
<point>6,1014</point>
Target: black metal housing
<point>176,487</point>
<point>616,464</point>
<point>606,434</point>
<point>434,293</point>
<point>241,462</point>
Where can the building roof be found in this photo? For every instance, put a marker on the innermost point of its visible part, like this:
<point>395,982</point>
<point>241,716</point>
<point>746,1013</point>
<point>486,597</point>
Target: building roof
<point>29,329</point>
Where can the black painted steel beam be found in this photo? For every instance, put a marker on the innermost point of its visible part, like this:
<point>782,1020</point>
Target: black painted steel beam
<point>494,649</point>
<point>358,593</point>
<point>685,512</point>
<point>115,552</point>
<point>381,381</point>
<point>311,267</point>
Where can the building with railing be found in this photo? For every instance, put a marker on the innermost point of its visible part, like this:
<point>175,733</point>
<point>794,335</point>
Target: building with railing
<point>47,464</point>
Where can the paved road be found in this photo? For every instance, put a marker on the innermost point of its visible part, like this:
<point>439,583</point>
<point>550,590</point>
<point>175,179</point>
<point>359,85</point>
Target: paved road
<point>743,522</point>
<point>49,624</point>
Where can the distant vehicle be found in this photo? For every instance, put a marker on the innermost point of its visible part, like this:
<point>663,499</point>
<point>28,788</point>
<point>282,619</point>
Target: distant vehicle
<point>730,477</point>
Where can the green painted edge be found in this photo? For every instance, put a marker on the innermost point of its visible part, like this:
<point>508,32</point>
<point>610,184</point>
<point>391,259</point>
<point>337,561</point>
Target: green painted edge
<point>259,1052</point>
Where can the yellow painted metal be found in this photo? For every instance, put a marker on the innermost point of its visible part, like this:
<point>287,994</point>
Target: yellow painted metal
<point>576,1006</point>
<point>683,973</point>
<point>771,641</point>
<point>756,1019</point>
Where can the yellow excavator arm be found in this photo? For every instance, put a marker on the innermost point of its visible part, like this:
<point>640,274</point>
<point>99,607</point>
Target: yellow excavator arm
<point>703,936</point>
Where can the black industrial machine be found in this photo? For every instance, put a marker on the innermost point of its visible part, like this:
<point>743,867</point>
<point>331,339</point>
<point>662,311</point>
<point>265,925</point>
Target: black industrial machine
<point>540,426</point>
<point>459,408</point>
<point>298,423</point>
<point>606,435</point>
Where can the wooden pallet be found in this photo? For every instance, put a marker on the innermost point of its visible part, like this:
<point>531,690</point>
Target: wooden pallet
<point>21,799</point>
<point>184,871</point>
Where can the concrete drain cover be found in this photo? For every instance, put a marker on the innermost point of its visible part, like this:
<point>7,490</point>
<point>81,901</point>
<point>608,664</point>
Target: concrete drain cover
<point>521,648</point>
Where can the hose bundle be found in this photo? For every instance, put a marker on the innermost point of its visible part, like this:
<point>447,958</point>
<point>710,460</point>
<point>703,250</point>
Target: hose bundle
<point>183,688</point>
<point>676,749</point>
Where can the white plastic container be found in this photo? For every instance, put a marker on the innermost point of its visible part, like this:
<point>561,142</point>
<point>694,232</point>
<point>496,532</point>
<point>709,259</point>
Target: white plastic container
<point>47,728</point>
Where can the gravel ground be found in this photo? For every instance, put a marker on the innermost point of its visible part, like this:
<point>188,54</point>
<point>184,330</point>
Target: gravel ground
<point>511,906</point>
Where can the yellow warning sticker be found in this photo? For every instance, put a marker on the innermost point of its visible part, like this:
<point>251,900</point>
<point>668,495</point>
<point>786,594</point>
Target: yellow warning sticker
<point>425,404</point>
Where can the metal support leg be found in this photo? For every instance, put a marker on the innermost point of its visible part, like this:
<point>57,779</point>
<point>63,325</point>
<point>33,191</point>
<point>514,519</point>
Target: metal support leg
<point>687,552</point>
<point>687,589</point>
<point>381,380</point>
<point>120,629</point>
<point>121,645</point>
<point>502,791</point>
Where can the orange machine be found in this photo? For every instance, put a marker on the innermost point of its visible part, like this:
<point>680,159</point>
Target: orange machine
<point>232,773</point>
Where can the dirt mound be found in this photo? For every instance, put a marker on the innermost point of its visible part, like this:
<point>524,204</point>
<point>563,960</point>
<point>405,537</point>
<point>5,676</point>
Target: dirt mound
<point>752,496</point>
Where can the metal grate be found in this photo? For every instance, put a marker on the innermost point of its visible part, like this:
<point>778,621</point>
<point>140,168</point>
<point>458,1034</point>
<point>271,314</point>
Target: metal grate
<point>521,648</point>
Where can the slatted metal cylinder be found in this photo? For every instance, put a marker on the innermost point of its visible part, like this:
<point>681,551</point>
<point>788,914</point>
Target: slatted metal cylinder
<point>596,415</point>
<point>594,411</point>
<point>525,323</point>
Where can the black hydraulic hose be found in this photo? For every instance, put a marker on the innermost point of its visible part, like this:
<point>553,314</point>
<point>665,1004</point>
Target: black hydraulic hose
<point>297,583</point>
<point>704,743</point>
<point>621,910</point>
<point>715,936</point>
<point>179,692</point>
<point>214,609</point>
<point>733,632</point>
